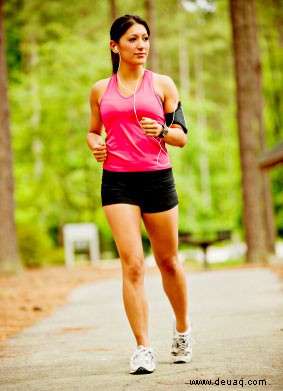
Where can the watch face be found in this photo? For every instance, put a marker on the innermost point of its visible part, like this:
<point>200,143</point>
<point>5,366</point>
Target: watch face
<point>164,131</point>
<point>165,128</point>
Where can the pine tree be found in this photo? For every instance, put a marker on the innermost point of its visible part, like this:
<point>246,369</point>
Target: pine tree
<point>246,67</point>
<point>9,254</point>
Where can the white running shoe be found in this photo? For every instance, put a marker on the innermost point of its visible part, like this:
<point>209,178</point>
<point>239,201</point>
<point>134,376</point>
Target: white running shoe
<point>142,361</point>
<point>182,349</point>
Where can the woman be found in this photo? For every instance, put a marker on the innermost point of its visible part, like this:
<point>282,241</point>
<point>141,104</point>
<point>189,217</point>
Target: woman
<point>137,181</point>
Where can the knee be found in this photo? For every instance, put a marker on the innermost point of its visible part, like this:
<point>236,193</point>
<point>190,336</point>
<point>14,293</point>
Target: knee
<point>133,270</point>
<point>169,266</point>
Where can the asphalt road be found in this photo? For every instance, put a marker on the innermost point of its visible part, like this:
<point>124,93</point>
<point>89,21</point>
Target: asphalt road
<point>86,344</point>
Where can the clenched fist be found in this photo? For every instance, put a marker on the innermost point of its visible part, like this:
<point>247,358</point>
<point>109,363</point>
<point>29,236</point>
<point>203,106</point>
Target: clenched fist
<point>150,127</point>
<point>100,151</point>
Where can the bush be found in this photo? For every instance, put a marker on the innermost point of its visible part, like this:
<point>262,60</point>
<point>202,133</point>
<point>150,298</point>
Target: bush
<point>34,245</point>
<point>55,256</point>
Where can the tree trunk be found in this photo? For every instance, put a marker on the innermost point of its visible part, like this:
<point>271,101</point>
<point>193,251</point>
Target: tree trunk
<point>266,191</point>
<point>152,58</point>
<point>202,131</point>
<point>9,254</point>
<point>35,118</point>
<point>184,63</point>
<point>278,21</point>
<point>113,10</point>
<point>246,67</point>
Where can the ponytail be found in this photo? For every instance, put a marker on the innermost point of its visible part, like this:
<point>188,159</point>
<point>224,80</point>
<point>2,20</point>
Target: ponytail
<point>115,61</point>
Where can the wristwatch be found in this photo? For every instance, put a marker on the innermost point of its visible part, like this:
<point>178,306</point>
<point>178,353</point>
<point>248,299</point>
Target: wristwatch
<point>164,131</point>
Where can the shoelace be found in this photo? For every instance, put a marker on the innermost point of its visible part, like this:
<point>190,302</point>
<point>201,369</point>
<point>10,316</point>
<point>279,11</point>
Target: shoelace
<point>143,353</point>
<point>183,342</point>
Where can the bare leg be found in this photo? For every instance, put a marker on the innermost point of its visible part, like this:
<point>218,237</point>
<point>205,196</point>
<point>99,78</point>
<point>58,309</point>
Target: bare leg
<point>162,229</point>
<point>125,223</point>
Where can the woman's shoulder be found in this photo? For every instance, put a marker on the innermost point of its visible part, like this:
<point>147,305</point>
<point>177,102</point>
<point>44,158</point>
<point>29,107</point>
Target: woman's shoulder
<point>98,89</point>
<point>163,80</point>
<point>100,85</point>
<point>164,85</point>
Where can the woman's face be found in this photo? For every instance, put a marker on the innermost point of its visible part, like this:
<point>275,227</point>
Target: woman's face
<point>134,45</point>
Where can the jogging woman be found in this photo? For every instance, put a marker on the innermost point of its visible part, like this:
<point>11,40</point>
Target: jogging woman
<point>141,113</point>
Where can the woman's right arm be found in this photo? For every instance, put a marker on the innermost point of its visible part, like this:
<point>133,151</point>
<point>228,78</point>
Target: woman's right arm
<point>94,138</point>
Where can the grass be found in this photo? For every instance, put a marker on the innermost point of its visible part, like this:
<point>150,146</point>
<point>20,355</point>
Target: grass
<point>199,266</point>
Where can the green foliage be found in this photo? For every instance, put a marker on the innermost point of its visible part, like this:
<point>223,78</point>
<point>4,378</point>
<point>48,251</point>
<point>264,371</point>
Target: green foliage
<point>55,256</point>
<point>57,50</point>
<point>198,266</point>
<point>34,245</point>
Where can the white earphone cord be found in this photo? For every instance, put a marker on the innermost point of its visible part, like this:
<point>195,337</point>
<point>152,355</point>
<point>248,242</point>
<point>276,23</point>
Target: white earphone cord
<point>162,149</point>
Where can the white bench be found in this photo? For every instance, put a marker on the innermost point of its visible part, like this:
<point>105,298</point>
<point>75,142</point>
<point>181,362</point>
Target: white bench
<point>82,232</point>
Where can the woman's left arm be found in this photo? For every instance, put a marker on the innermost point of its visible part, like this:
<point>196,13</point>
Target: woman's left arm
<point>168,93</point>
<point>175,136</point>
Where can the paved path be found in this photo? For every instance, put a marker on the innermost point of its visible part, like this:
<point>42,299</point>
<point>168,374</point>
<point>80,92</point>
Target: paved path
<point>86,344</point>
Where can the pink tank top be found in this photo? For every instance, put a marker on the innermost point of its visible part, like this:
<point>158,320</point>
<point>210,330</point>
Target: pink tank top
<point>128,148</point>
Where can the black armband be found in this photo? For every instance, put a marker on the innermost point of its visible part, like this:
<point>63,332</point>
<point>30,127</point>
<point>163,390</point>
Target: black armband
<point>177,117</point>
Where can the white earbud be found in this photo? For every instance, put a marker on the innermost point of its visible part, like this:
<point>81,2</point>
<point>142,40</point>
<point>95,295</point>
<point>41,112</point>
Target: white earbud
<point>115,47</point>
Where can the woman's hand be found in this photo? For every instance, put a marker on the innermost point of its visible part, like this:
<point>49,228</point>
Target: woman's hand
<point>151,127</point>
<point>100,151</point>
<point>97,146</point>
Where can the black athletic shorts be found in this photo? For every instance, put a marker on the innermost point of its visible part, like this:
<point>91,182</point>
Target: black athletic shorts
<point>152,191</point>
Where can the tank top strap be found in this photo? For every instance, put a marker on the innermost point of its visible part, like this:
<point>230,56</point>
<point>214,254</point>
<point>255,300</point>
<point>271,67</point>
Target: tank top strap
<point>111,84</point>
<point>110,89</point>
<point>147,84</point>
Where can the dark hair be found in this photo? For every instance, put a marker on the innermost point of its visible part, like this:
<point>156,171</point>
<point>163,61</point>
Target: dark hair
<point>118,28</point>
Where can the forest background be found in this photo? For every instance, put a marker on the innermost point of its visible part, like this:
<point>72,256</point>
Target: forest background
<point>56,50</point>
